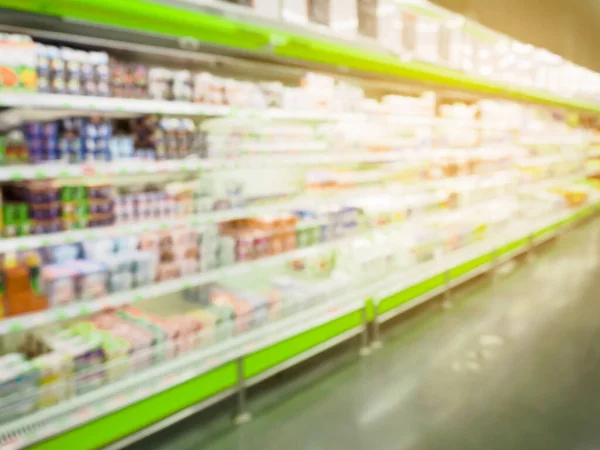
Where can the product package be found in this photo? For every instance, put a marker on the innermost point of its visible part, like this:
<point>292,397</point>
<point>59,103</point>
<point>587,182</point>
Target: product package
<point>18,65</point>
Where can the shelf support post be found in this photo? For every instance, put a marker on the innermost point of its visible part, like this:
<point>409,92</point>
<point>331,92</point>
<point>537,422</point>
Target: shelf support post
<point>242,415</point>
<point>376,344</point>
<point>447,303</point>
<point>364,334</point>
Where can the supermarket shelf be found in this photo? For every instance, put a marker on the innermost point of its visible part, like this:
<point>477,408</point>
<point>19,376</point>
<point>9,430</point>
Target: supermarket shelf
<point>119,398</point>
<point>83,308</point>
<point>182,166</point>
<point>422,283</point>
<point>202,219</point>
<point>28,106</point>
<point>271,38</point>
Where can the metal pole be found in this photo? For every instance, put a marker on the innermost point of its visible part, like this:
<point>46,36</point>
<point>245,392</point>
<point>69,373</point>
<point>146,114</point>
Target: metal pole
<point>447,303</point>
<point>494,263</point>
<point>376,344</point>
<point>364,337</point>
<point>242,414</point>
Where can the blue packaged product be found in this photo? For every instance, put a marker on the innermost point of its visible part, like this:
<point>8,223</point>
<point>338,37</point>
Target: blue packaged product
<point>49,144</point>
<point>99,249</point>
<point>49,129</point>
<point>126,147</point>
<point>89,130</point>
<point>74,124</point>
<point>62,253</point>
<point>32,129</point>
<point>76,152</point>
<point>105,129</point>
<point>99,155</point>
<point>114,148</point>
<point>89,145</point>
<point>102,144</point>
<point>35,144</point>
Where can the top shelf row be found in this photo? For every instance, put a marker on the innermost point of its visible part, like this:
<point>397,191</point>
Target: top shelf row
<point>411,40</point>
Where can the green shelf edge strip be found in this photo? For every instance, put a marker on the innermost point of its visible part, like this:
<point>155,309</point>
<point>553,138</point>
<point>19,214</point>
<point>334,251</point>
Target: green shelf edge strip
<point>115,426</point>
<point>269,357</point>
<point>512,246</point>
<point>467,267</point>
<point>146,16</point>
<point>140,415</point>
<point>410,293</point>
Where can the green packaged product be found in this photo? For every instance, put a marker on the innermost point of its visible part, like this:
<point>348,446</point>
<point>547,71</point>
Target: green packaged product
<point>10,214</point>
<point>23,221</point>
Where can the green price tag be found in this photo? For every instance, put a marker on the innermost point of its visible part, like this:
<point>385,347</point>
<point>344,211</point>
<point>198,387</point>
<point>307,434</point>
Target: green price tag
<point>15,327</point>
<point>16,176</point>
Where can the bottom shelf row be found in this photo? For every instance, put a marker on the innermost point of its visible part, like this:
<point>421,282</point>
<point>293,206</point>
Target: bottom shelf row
<point>64,377</point>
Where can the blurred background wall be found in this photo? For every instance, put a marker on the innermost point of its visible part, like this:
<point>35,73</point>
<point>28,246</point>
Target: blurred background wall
<point>570,28</point>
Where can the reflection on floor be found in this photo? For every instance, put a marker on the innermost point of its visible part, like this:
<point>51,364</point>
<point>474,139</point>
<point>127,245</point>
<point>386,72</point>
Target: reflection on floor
<point>513,365</point>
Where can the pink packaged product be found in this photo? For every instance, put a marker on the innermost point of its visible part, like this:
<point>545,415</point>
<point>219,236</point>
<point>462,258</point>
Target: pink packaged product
<point>167,328</point>
<point>188,332</point>
<point>138,338</point>
<point>58,284</point>
<point>163,331</point>
<point>105,321</point>
<point>188,266</point>
<point>242,308</point>
<point>149,241</point>
<point>184,237</point>
<point>167,271</point>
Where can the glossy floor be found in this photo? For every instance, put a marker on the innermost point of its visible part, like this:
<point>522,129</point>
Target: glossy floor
<point>513,364</point>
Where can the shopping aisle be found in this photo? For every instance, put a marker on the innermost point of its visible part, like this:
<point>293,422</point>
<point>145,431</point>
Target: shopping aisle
<point>513,365</point>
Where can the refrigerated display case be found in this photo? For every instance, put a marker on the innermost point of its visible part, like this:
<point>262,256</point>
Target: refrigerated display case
<point>180,222</point>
